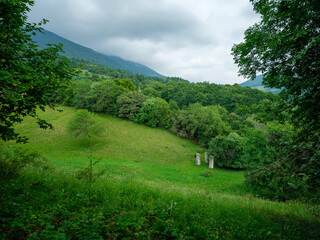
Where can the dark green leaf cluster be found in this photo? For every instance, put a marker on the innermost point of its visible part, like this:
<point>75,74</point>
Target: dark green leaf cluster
<point>98,96</point>
<point>29,76</point>
<point>285,47</point>
<point>201,123</point>
<point>130,104</point>
<point>155,112</point>
<point>291,177</point>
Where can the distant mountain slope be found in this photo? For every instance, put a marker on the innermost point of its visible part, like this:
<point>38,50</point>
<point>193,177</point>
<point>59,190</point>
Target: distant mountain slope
<point>257,83</point>
<point>73,50</point>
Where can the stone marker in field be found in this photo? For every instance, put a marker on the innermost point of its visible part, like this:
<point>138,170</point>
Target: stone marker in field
<point>205,157</point>
<point>211,162</point>
<point>198,159</point>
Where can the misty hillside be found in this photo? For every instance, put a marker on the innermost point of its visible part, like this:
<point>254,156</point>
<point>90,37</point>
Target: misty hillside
<point>257,84</point>
<point>73,50</point>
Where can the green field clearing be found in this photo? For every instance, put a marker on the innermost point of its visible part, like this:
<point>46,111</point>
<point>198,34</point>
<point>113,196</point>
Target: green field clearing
<point>148,167</point>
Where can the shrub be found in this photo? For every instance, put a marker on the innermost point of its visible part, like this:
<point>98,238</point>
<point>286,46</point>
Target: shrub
<point>126,83</point>
<point>295,175</point>
<point>98,96</point>
<point>227,151</point>
<point>12,160</point>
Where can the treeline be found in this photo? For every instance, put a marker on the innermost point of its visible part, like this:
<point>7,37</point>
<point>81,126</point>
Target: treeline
<point>178,89</point>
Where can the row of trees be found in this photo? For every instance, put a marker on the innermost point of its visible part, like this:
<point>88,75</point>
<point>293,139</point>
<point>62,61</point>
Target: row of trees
<point>177,89</point>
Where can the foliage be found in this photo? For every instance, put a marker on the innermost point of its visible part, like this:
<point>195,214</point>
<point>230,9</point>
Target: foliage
<point>83,124</point>
<point>257,151</point>
<point>126,83</point>
<point>238,123</point>
<point>227,151</point>
<point>201,123</point>
<point>12,160</point>
<point>29,76</point>
<point>253,149</point>
<point>285,47</point>
<point>81,90</point>
<point>130,104</point>
<point>291,177</point>
<point>155,112</point>
<point>98,96</point>
<point>102,97</point>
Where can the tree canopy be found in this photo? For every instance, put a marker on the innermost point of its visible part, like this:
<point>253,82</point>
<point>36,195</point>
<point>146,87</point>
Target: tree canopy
<point>285,47</point>
<point>29,76</point>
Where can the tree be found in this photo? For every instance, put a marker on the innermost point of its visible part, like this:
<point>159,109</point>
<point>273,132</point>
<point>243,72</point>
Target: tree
<point>227,151</point>
<point>126,83</point>
<point>285,47</point>
<point>155,112</point>
<point>29,76</point>
<point>130,104</point>
<point>201,123</point>
<point>102,96</point>
<point>84,125</point>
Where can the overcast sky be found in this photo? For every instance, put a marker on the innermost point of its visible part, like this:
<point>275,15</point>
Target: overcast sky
<point>191,39</point>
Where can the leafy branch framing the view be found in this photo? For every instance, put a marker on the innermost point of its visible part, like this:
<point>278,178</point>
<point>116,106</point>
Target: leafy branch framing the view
<point>29,76</point>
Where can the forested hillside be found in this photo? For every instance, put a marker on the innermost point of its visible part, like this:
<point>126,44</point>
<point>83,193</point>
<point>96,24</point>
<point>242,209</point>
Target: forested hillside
<point>74,50</point>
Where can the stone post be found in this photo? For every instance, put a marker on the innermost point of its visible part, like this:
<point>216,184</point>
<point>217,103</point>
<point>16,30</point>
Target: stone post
<point>205,157</point>
<point>211,162</point>
<point>198,159</point>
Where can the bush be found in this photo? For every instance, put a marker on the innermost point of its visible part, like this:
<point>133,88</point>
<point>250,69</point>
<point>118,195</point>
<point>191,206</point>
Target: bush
<point>102,97</point>
<point>12,160</point>
<point>295,175</point>
<point>228,151</point>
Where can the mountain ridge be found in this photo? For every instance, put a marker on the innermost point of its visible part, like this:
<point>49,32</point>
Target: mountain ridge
<point>75,50</point>
<point>258,84</point>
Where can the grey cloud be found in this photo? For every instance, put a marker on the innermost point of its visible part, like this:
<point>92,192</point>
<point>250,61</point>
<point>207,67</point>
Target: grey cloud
<point>186,38</point>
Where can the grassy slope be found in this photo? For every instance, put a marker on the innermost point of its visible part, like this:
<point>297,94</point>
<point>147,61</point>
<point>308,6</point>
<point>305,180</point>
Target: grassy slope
<point>150,161</point>
<point>153,156</point>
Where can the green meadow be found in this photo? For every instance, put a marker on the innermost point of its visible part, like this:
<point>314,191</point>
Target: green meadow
<point>148,188</point>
